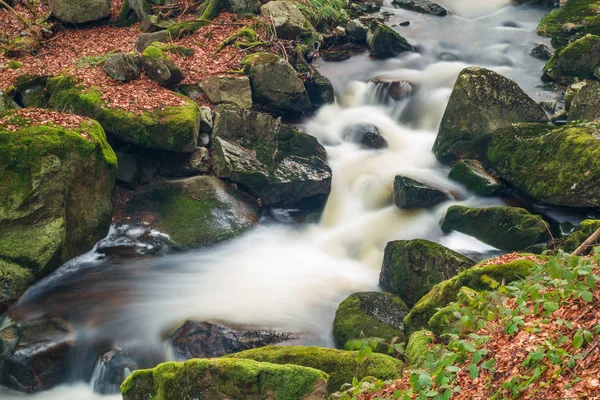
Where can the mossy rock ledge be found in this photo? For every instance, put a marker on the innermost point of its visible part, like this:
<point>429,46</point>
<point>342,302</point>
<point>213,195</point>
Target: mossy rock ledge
<point>276,163</point>
<point>481,102</point>
<point>368,315</point>
<point>558,166</point>
<point>574,19</point>
<point>578,60</point>
<point>55,190</point>
<point>194,212</point>
<point>173,129</point>
<point>506,228</point>
<point>223,379</point>
<point>341,365</point>
<point>412,267</point>
<point>477,278</point>
<point>474,177</point>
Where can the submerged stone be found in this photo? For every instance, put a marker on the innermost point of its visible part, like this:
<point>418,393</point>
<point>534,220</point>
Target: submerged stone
<point>409,193</point>
<point>385,42</point>
<point>366,135</point>
<point>424,6</point>
<point>474,177</point>
<point>112,369</point>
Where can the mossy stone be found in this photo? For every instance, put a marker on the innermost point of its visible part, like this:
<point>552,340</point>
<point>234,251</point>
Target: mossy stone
<point>506,228</point>
<point>410,193</point>
<point>481,102</point>
<point>341,365</point>
<point>585,105</point>
<point>369,315</point>
<point>578,60</point>
<point>474,177</point>
<point>558,166</point>
<point>417,347</point>
<point>385,42</point>
<point>288,20</point>
<point>79,11</point>
<point>14,280</point>
<point>222,379</point>
<point>412,267</point>
<point>477,278</point>
<point>584,231</point>
<point>574,19</point>
<point>160,68</point>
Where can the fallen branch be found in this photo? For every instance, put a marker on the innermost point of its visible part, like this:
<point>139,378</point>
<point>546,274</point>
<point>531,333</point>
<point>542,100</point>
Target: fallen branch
<point>588,243</point>
<point>16,14</point>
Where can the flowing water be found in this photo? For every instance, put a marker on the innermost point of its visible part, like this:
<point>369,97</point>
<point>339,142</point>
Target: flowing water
<point>289,276</point>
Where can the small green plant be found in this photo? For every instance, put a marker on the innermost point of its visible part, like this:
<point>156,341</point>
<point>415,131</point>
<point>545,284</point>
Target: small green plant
<point>325,13</point>
<point>92,61</point>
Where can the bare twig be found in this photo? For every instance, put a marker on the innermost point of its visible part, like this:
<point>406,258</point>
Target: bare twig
<point>588,243</point>
<point>16,14</point>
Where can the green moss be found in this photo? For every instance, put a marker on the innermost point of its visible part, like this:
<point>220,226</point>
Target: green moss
<point>441,322</point>
<point>477,278</point>
<point>221,379</point>
<point>417,347</point>
<point>341,366</point>
<point>153,53</point>
<point>369,315</point>
<point>182,29</point>
<point>576,17</point>
<point>21,45</point>
<point>127,15</point>
<point>575,239</point>
<point>14,280</point>
<point>260,58</point>
<point>210,9</point>
<point>13,64</point>
<point>578,60</point>
<point>473,176</point>
<point>245,37</point>
<point>173,48</point>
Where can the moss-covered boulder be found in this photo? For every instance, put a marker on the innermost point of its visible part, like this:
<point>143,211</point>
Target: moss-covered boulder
<point>585,105</point>
<point>506,228</point>
<point>474,177</point>
<point>287,18</point>
<point>275,84</point>
<point>136,10</point>
<point>173,128</point>
<point>585,230</point>
<point>194,212</point>
<point>482,102</point>
<point>160,67</point>
<point>222,379</point>
<point>410,193</point>
<point>417,347</point>
<point>385,42</point>
<point>479,277</point>
<point>79,11</point>
<point>369,315</point>
<point>552,165</point>
<point>341,366</point>
<point>228,90</point>
<point>578,60</point>
<point>574,19</point>
<point>58,173</point>
<point>278,164</point>
<point>412,267</point>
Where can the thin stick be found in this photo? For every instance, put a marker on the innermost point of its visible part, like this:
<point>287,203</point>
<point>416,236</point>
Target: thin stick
<point>588,243</point>
<point>16,14</point>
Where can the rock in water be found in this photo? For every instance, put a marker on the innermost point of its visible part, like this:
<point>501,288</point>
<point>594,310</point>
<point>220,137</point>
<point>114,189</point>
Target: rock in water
<point>385,42</point>
<point>278,164</point>
<point>506,228</point>
<point>482,102</point>
<point>424,6</point>
<point>369,315</point>
<point>474,177</point>
<point>409,193</point>
<point>223,379</point>
<point>275,84</point>
<point>578,60</point>
<point>341,366</point>
<point>79,11</point>
<point>112,369</point>
<point>572,20</point>
<point>194,212</point>
<point>541,52</point>
<point>557,166</point>
<point>412,267</point>
<point>55,190</point>
<point>356,31</point>
<point>122,67</point>
<point>160,67</point>
<point>289,21</point>
<point>586,103</point>
<point>205,339</point>
<point>228,90</point>
<point>365,134</point>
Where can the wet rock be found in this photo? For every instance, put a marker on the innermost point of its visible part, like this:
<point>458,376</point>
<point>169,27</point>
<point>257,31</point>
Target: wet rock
<point>541,52</point>
<point>275,84</point>
<point>506,228</point>
<point>412,267</point>
<point>222,379</point>
<point>112,369</point>
<point>370,7</point>
<point>122,67</point>
<point>395,90</point>
<point>356,31</point>
<point>573,19</point>
<point>474,177</point>
<point>368,315</point>
<point>178,166</point>
<point>409,193</point>
<point>365,134</point>
<point>559,117</point>
<point>384,42</point>
<point>556,166</point>
<point>481,103</point>
<point>586,103</point>
<point>336,55</point>
<point>79,11</point>
<point>160,67</point>
<point>549,105</point>
<point>570,93</point>
<point>319,88</point>
<point>449,57</point>
<point>423,6</point>
<point>228,90</point>
<point>278,164</point>
<point>289,21</point>
<point>36,355</point>
<point>578,60</point>
<point>207,340</point>
<point>154,23</point>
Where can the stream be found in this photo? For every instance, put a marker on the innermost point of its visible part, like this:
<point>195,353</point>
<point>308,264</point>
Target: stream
<point>291,276</point>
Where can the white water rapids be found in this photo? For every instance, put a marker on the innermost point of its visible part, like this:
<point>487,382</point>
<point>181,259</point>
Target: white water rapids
<point>292,277</point>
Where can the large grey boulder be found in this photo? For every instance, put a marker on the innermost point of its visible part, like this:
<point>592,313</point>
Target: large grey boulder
<point>385,42</point>
<point>228,90</point>
<point>423,6</point>
<point>482,102</point>
<point>79,11</point>
<point>122,67</point>
<point>289,21</point>
<point>278,164</point>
